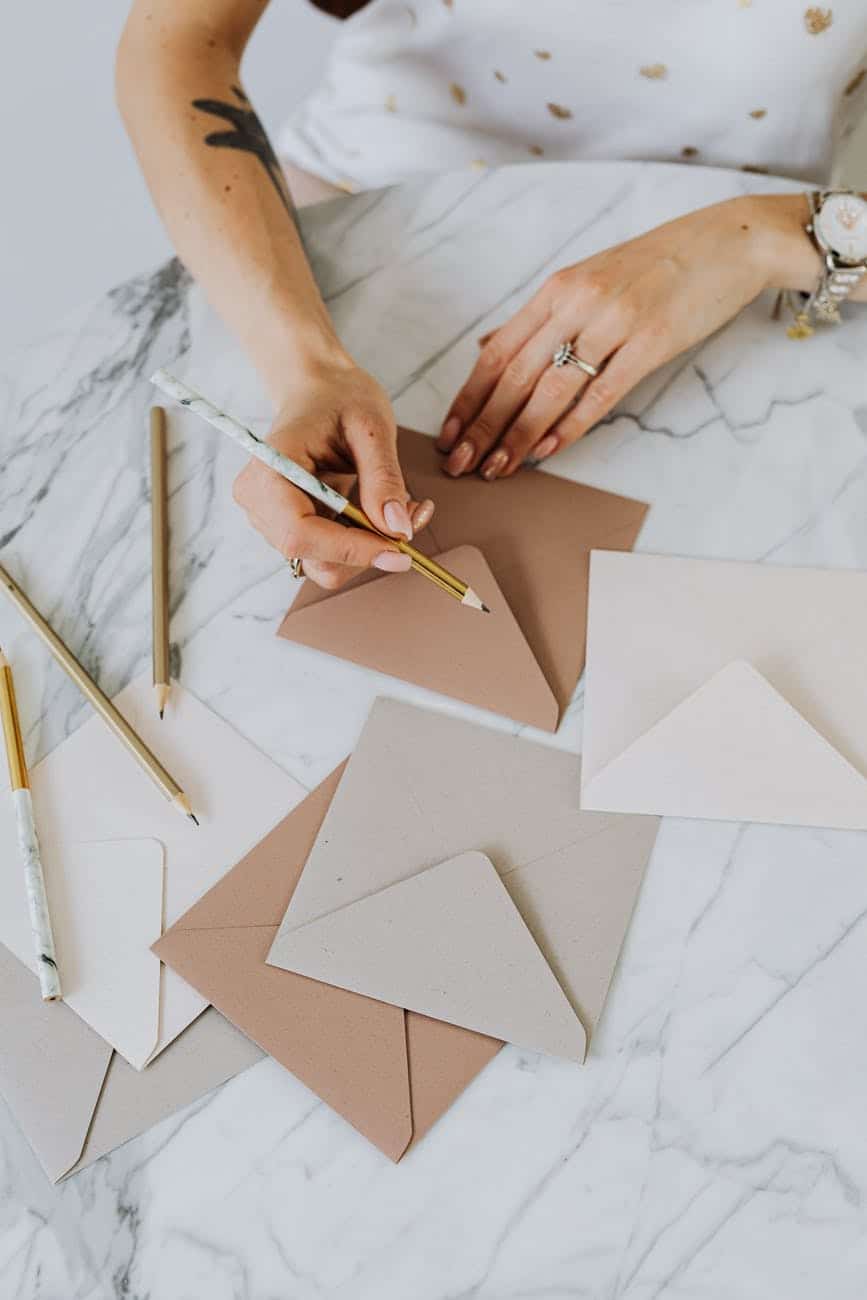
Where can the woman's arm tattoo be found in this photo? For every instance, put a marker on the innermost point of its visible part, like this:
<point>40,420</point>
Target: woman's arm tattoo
<point>247,134</point>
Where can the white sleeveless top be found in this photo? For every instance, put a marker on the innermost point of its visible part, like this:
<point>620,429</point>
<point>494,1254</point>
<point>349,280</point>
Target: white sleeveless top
<point>434,85</point>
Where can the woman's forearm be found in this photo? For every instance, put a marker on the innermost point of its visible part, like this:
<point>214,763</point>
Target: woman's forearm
<point>216,182</point>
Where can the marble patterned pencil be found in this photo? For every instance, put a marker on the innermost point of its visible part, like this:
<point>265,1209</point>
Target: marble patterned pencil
<point>28,841</point>
<point>309,483</point>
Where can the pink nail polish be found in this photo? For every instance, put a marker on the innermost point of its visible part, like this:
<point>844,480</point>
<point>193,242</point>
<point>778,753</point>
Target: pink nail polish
<point>495,464</point>
<point>549,444</point>
<point>460,458</point>
<point>392,562</point>
<point>423,514</point>
<point>448,433</point>
<point>397,519</point>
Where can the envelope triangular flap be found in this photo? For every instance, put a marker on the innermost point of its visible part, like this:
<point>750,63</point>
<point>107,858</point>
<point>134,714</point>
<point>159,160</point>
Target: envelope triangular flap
<point>449,943</point>
<point>734,750</point>
<point>408,628</point>
<point>52,1068</point>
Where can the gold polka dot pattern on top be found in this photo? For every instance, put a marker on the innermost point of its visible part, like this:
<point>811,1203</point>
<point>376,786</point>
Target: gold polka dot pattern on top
<point>501,76</point>
<point>758,113</point>
<point>557,110</point>
<point>536,150</point>
<point>745,4</point>
<point>391,103</point>
<point>818,20</point>
<point>688,151</point>
<point>542,54</point>
<point>458,94</point>
<point>654,71</point>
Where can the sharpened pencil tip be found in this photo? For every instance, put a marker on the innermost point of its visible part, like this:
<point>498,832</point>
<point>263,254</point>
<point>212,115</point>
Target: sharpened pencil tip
<point>162,714</point>
<point>485,609</point>
<point>193,818</point>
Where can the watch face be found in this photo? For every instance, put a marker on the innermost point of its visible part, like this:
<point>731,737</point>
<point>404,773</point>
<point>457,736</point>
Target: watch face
<point>841,224</point>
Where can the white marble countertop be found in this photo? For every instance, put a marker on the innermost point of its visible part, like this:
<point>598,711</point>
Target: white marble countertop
<point>713,1147</point>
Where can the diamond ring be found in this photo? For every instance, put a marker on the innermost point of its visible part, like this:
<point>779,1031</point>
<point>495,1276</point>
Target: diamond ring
<point>566,356</point>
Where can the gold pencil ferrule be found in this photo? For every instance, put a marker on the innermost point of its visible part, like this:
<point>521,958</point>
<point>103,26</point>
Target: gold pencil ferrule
<point>12,731</point>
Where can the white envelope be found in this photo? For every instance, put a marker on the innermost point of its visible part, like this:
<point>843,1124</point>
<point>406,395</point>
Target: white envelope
<point>106,910</point>
<point>730,691</point>
<point>110,898</point>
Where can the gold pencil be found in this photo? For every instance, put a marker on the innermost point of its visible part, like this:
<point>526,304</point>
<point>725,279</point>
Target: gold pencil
<point>159,559</point>
<point>28,841</point>
<point>113,719</point>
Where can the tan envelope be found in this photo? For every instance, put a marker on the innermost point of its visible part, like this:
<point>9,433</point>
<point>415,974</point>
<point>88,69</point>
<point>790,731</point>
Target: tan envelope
<point>74,1098</point>
<point>389,1074</point>
<point>725,690</point>
<point>531,536</point>
<point>399,896</point>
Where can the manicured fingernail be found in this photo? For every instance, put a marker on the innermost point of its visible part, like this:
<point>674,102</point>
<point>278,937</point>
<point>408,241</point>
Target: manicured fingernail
<point>397,519</point>
<point>448,433</point>
<point>423,514</point>
<point>392,562</point>
<point>494,464</point>
<point>549,444</point>
<point>460,458</point>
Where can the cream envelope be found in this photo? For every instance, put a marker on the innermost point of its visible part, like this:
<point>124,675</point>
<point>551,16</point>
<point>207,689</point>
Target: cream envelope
<point>727,691</point>
<point>106,911</point>
<point>525,550</point>
<point>73,1098</point>
<point>455,875</point>
<point>90,789</point>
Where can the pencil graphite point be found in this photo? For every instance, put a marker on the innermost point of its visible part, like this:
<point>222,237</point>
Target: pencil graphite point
<point>193,818</point>
<point>161,690</point>
<point>470,598</point>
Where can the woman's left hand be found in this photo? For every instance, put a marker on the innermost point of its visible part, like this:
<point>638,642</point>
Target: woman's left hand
<point>626,311</point>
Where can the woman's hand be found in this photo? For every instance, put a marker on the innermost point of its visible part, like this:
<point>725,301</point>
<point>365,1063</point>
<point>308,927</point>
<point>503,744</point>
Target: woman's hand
<point>335,420</point>
<point>626,311</point>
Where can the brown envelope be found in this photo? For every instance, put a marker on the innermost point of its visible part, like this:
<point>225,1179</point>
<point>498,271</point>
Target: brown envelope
<point>535,533</point>
<point>389,1072</point>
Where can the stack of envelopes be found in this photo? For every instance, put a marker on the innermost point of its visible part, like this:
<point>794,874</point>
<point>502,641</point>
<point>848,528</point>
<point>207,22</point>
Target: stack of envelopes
<point>129,1044</point>
<point>454,897</point>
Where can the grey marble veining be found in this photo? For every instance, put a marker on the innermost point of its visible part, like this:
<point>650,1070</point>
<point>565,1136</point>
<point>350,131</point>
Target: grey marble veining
<point>713,1147</point>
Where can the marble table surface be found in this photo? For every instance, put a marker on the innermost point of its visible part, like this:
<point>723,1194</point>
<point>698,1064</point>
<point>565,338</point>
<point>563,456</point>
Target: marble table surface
<point>713,1147</point>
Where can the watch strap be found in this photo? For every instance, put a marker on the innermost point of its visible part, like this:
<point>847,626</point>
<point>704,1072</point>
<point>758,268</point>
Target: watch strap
<point>836,280</point>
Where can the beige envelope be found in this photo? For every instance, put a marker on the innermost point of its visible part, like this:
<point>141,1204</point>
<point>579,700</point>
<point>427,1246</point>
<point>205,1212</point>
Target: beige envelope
<point>523,544</point>
<point>90,789</point>
<point>725,690</point>
<point>400,898</point>
<point>73,1098</point>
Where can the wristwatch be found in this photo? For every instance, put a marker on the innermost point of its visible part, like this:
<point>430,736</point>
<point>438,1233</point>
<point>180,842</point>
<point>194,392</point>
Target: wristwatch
<point>838,226</point>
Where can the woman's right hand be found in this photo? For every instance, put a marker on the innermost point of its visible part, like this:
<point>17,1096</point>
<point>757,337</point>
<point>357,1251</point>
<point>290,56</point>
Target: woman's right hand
<point>336,421</point>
